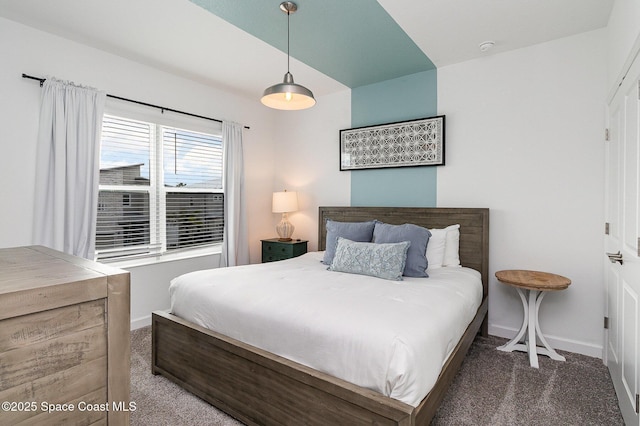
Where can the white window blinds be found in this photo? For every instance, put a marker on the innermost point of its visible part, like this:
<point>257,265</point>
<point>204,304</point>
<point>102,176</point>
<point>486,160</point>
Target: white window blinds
<point>193,188</point>
<point>160,189</point>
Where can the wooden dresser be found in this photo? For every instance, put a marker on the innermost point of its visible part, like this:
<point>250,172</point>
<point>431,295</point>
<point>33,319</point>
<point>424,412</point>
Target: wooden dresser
<point>64,339</point>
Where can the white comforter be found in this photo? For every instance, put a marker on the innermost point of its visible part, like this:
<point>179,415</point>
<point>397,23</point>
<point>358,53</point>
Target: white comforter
<point>389,336</point>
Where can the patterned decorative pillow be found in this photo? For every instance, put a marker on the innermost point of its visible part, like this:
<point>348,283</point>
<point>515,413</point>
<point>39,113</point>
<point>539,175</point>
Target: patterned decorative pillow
<point>354,231</point>
<point>377,260</point>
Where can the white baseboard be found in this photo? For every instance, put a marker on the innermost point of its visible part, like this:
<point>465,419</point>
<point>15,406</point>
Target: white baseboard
<point>556,342</point>
<point>140,322</point>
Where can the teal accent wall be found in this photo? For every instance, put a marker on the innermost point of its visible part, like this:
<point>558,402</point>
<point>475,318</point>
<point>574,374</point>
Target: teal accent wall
<point>378,49</point>
<point>400,99</point>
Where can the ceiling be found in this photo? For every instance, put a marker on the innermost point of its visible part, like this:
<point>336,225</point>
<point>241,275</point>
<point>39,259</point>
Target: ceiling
<point>241,45</point>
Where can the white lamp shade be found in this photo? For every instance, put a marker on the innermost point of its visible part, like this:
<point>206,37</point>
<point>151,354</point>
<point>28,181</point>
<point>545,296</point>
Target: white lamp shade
<point>284,202</point>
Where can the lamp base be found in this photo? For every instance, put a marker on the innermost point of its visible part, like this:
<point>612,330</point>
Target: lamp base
<point>284,228</point>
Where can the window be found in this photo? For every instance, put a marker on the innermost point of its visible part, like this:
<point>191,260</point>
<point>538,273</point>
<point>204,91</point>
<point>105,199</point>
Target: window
<point>160,189</point>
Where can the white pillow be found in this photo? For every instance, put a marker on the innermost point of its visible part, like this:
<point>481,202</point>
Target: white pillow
<point>443,247</point>
<point>452,246</point>
<point>435,248</point>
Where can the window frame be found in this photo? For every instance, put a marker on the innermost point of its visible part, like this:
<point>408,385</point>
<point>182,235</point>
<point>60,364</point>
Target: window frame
<point>157,248</point>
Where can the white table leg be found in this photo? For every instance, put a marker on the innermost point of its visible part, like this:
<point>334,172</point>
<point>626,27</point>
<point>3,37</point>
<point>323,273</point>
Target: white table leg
<point>547,349</point>
<point>533,320</point>
<point>531,324</point>
<point>514,344</point>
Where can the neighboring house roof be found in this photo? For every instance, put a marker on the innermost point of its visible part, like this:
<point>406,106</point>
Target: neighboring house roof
<point>126,166</point>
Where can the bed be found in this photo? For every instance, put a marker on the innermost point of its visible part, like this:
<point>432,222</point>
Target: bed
<point>258,387</point>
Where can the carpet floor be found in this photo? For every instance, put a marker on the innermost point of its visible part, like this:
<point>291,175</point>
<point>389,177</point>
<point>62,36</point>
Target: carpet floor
<point>492,388</point>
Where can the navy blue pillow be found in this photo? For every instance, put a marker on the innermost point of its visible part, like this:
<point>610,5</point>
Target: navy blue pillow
<point>354,231</point>
<point>416,265</point>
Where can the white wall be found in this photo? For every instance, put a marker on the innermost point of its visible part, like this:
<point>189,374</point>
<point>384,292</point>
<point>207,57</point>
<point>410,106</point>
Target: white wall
<point>26,50</point>
<point>623,37</point>
<point>525,138</point>
<point>308,160</point>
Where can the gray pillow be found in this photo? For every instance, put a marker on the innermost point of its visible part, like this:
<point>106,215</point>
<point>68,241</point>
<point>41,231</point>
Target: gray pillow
<point>377,260</point>
<point>416,256</point>
<point>354,231</point>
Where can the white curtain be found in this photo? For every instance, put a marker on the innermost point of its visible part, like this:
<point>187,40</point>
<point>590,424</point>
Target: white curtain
<point>235,247</point>
<point>67,167</point>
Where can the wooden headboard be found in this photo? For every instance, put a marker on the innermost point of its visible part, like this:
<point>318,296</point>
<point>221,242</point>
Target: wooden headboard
<point>474,228</point>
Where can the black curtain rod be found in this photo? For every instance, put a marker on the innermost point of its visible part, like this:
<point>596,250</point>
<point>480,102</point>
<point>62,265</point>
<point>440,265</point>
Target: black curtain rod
<point>163,109</point>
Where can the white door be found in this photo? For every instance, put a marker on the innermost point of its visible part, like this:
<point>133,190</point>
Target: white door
<point>622,276</point>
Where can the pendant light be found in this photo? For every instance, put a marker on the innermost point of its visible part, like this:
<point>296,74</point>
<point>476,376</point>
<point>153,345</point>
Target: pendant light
<point>288,95</point>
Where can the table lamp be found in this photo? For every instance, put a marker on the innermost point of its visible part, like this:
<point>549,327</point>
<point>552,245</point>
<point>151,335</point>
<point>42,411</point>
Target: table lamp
<point>284,202</point>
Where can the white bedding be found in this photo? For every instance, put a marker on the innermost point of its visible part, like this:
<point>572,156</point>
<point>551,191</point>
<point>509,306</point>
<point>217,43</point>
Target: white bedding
<point>389,336</point>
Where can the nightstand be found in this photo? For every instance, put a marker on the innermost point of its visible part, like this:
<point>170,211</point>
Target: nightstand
<point>533,284</point>
<point>273,249</point>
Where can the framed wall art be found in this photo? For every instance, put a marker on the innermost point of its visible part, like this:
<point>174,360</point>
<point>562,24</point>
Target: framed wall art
<point>402,144</point>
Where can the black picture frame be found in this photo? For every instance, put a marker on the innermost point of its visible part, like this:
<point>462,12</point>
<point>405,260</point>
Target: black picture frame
<point>411,143</point>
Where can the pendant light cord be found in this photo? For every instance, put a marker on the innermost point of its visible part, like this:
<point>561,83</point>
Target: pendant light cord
<point>288,35</point>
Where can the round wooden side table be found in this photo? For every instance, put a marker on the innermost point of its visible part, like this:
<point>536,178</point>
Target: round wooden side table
<point>535,284</point>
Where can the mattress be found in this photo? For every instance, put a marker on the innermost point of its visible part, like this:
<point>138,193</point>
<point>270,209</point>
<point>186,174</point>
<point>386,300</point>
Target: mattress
<point>389,336</point>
